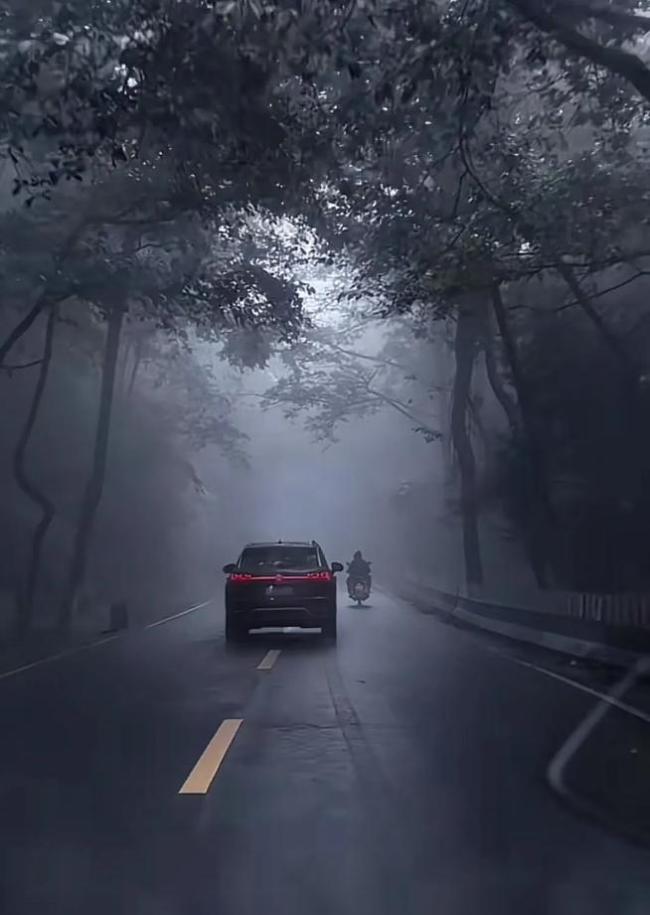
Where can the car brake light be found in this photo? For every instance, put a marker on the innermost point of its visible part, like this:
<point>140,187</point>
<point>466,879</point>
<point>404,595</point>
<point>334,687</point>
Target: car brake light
<point>241,578</point>
<point>320,576</point>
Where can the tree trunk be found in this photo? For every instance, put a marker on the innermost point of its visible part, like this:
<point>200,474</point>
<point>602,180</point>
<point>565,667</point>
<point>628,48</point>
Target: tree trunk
<point>495,380</point>
<point>632,401</point>
<point>25,608</point>
<point>465,349</point>
<point>137,357</point>
<point>21,328</point>
<point>544,533</point>
<point>122,370</point>
<point>95,485</point>
<point>611,341</point>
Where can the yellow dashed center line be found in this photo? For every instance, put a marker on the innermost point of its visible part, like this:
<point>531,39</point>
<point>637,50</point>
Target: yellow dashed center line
<point>269,659</point>
<point>203,773</point>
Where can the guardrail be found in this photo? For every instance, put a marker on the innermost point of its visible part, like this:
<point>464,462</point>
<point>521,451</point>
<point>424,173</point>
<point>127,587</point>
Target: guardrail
<point>611,628</point>
<point>612,609</point>
<point>630,610</point>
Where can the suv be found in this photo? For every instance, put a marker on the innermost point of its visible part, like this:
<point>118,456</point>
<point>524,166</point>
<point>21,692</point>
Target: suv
<point>281,584</point>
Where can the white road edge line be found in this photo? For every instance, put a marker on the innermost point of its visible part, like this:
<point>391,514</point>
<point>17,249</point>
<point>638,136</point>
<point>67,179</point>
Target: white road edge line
<point>607,699</point>
<point>56,657</point>
<point>175,616</point>
<point>556,768</point>
<point>69,652</point>
<point>571,746</point>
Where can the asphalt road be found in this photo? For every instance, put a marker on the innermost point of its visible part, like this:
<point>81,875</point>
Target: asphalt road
<point>402,771</point>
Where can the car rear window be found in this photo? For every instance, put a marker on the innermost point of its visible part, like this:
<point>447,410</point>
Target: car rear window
<point>295,558</point>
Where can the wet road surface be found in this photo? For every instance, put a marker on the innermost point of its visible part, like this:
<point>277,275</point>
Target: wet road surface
<point>400,771</point>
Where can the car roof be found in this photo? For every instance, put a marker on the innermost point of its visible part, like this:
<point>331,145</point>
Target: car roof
<point>268,543</point>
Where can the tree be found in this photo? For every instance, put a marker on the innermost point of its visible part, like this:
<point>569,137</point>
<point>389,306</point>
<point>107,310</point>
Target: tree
<point>134,256</point>
<point>456,174</point>
<point>222,92</point>
<point>599,487</point>
<point>466,347</point>
<point>95,485</point>
<point>244,297</point>
<point>331,378</point>
<point>25,603</point>
<point>513,202</point>
<point>611,26</point>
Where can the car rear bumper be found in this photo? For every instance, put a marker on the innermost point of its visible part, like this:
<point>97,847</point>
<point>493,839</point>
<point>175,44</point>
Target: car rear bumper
<point>306,615</point>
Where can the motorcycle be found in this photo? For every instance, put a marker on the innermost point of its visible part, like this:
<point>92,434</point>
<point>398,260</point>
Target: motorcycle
<point>358,589</point>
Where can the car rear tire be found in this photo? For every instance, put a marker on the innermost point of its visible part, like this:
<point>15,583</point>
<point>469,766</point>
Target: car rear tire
<point>330,629</point>
<point>235,632</point>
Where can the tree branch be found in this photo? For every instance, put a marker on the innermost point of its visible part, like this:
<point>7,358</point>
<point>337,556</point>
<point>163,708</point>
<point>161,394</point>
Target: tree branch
<point>396,405</point>
<point>580,9</point>
<point>43,300</point>
<point>614,344</point>
<point>16,368</point>
<point>564,268</point>
<point>354,355</point>
<point>622,63</point>
<point>602,292</point>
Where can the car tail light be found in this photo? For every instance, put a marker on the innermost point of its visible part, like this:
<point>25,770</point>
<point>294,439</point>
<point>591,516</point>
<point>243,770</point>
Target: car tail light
<point>320,576</point>
<point>242,578</point>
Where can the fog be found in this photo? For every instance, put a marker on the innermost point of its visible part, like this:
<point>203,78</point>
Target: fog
<point>296,487</point>
<point>176,509</point>
<point>173,512</point>
<point>338,494</point>
<point>372,274</point>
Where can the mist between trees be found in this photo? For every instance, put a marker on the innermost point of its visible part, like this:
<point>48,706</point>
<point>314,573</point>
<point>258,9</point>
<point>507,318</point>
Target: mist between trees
<point>423,224</point>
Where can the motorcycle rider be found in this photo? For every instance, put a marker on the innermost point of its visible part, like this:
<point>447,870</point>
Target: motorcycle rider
<point>359,568</point>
